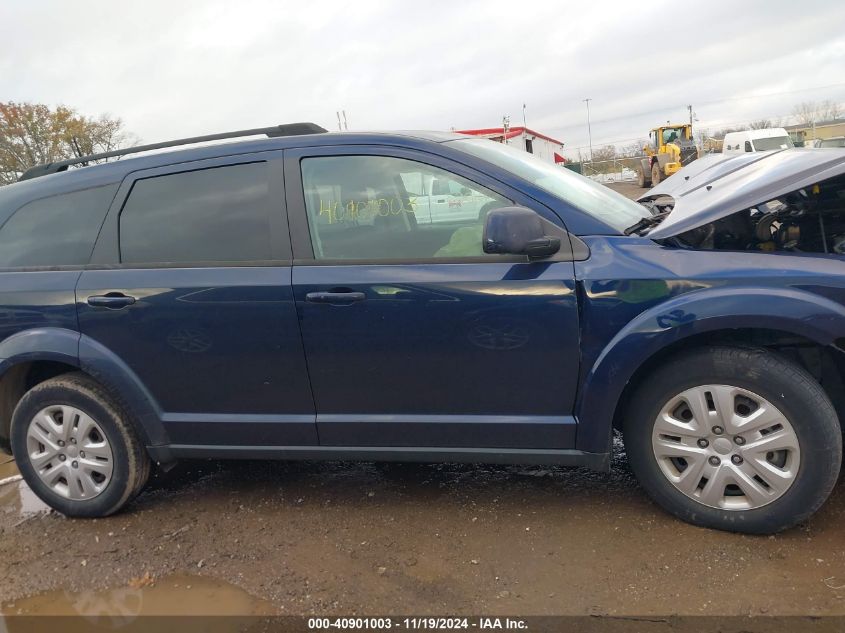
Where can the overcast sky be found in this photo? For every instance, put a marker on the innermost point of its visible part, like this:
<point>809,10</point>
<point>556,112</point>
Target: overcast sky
<point>172,68</point>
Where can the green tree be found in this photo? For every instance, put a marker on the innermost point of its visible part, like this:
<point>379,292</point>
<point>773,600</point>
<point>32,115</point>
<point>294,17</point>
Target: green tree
<point>34,133</point>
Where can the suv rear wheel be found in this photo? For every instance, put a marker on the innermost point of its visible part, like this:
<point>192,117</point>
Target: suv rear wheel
<point>734,439</point>
<point>76,449</point>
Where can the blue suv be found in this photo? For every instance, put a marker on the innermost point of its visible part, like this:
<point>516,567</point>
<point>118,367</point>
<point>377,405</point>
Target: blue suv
<point>424,297</point>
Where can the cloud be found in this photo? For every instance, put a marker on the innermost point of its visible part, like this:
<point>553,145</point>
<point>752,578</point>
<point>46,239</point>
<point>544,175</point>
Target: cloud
<point>176,68</point>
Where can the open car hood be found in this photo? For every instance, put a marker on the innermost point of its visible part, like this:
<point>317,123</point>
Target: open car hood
<point>718,185</point>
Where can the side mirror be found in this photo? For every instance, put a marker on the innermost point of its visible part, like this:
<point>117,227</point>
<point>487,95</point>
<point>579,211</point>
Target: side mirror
<point>517,231</point>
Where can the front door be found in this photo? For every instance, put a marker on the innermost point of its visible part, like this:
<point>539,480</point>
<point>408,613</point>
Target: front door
<point>197,302</point>
<point>414,336</point>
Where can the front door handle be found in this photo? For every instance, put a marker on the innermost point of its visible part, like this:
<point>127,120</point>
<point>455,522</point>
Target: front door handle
<point>337,298</point>
<point>112,300</point>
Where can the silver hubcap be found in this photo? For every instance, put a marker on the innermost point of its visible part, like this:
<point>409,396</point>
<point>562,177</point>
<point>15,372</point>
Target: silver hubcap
<point>69,452</point>
<point>726,447</point>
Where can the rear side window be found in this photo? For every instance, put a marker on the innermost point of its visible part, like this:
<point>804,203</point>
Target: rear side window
<point>55,231</point>
<point>212,215</point>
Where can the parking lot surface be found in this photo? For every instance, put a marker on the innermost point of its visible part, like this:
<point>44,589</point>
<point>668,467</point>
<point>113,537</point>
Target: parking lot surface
<point>301,538</point>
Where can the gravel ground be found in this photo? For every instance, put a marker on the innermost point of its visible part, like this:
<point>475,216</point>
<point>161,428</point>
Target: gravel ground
<point>366,538</point>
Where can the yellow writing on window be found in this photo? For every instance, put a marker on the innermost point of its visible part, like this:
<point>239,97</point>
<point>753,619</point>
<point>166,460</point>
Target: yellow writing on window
<point>364,210</point>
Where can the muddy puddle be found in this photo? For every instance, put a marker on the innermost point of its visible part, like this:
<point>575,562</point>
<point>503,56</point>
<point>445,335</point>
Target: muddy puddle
<point>7,467</point>
<point>121,608</point>
<point>16,497</point>
<point>116,607</point>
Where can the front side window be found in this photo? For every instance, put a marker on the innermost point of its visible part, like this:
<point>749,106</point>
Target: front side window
<point>379,207</point>
<point>591,197</point>
<point>55,231</point>
<point>211,215</point>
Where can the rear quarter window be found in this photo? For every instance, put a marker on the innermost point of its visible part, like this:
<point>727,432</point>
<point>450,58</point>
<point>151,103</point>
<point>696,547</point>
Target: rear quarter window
<point>221,214</point>
<point>55,231</point>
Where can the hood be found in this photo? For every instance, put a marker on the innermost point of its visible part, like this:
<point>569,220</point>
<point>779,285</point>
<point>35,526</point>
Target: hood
<point>718,185</point>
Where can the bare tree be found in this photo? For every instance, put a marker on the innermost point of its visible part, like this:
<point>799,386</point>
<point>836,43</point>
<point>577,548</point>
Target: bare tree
<point>726,130</point>
<point>808,112</point>
<point>829,110</point>
<point>805,112</point>
<point>762,124</point>
<point>632,149</point>
<point>33,133</point>
<point>608,152</point>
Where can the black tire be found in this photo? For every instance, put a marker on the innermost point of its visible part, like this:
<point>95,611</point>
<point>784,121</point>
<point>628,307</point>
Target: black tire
<point>642,181</point>
<point>656,176</point>
<point>798,397</point>
<point>131,464</point>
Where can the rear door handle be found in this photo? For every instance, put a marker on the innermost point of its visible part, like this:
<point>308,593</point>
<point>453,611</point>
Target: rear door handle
<point>112,300</point>
<point>337,298</point>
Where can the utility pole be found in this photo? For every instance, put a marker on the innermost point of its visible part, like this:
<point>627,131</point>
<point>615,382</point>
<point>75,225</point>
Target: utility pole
<point>689,107</point>
<point>524,124</point>
<point>589,130</point>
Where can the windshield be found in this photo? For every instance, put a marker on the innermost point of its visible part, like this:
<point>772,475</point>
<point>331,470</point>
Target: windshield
<point>672,134</point>
<point>582,193</point>
<point>832,142</point>
<point>773,142</point>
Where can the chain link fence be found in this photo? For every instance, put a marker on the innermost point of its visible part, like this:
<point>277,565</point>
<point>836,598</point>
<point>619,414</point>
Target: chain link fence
<point>613,170</point>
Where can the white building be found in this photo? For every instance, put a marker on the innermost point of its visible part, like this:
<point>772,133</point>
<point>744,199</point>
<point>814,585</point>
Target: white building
<point>542,146</point>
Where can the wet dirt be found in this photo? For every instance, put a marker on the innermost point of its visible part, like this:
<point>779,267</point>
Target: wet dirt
<point>173,595</point>
<point>629,189</point>
<point>15,496</point>
<point>7,467</point>
<point>363,538</point>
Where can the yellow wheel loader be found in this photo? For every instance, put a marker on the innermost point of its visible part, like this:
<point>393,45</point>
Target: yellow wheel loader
<point>669,148</point>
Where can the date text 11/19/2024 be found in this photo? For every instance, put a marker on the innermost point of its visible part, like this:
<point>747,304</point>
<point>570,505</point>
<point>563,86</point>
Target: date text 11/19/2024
<point>418,623</point>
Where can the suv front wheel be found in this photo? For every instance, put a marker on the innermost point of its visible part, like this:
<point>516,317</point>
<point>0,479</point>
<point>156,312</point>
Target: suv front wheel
<point>734,439</point>
<point>76,449</point>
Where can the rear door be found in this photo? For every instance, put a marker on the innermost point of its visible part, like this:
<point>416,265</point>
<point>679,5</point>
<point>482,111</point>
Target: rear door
<point>414,336</point>
<point>191,288</point>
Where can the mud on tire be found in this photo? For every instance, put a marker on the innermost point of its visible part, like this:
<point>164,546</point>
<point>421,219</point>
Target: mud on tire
<point>130,463</point>
<point>796,395</point>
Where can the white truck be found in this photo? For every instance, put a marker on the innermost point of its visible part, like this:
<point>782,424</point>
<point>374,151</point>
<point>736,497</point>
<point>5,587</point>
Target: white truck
<point>436,200</point>
<point>756,140</point>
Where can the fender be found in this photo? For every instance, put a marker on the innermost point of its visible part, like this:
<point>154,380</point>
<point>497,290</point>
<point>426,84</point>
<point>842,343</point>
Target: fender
<point>45,344</point>
<point>788,310</point>
<point>107,368</point>
<point>72,348</point>
<point>49,343</point>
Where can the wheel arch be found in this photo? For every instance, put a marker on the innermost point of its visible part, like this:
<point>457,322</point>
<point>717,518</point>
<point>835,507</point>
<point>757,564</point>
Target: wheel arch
<point>790,321</point>
<point>33,356</point>
<point>25,357</point>
<point>826,363</point>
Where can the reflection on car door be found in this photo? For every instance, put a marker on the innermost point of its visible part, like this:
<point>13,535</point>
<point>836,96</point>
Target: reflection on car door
<point>198,303</point>
<point>415,337</point>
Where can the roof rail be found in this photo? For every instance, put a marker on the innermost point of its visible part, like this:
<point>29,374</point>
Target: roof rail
<point>289,129</point>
